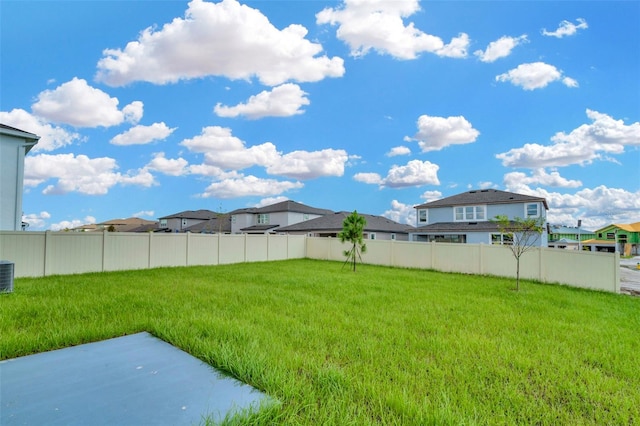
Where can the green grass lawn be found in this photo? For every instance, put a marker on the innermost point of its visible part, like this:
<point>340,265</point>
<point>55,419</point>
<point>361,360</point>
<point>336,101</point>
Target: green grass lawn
<point>378,346</point>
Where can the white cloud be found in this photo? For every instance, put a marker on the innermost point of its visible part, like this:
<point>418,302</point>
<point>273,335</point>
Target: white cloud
<point>398,150</point>
<point>271,200</point>
<point>457,47</point>
<point>369,178</point>
<point>248,186</point>
<point>226,151</point>
<point>222,39</point>
<point>283,101</point>
<point>91,176</point>
<point>80,105</point>
<point>535,75</point>
<point>51,137</point>
<point>36,220</point>
<point>500,48</point>
<point>486,185</point>
<point>540,177</point>
<point>414,173</point>
<point>428,196</point>
<point>597,207</point>
<point>566,28</point>
<point>223,150</point>
<point>147,213</point>
<point>435,133</point>
<point>570,82</point>
<point>310,164</point>
<point>70,224</point>
<point>401,213</point>
<point>379,25</point>
<point>140,135</point>
<point>581,146</point>
<point>171,167</point>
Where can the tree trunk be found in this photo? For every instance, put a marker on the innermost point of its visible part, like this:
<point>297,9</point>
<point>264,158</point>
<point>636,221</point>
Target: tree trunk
<point>518,274</point>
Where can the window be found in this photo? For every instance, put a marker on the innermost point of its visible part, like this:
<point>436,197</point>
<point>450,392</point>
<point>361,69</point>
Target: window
<point>263,219</point>
<point>448,238</point>
<point>611,235</point>
<point>163,223</point>
<point>532,210</point>
<point>393,236</point>
<point>465,213</point>
<point>500,239</point>
<point>422,216</point>
<point>372,236</point>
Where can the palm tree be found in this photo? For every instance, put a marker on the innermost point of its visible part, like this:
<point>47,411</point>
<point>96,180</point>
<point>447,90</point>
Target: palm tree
<point>352,232</point>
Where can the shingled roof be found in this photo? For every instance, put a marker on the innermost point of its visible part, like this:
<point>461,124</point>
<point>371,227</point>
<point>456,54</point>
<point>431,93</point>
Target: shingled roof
<point>193,214</point>
<point>284,206</point>
<point>333,222</point>
<point>483,196</point>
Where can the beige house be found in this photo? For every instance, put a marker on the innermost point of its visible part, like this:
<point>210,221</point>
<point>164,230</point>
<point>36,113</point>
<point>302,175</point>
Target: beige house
<point>14,146</point>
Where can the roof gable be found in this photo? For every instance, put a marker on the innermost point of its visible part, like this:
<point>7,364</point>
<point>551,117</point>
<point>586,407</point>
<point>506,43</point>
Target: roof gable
<point>202,214</point>
<point>30,138</point>
<point>284,206</point>
<point>483,196</point>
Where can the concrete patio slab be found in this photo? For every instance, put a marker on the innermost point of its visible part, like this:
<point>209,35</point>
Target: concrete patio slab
<point>131,380</point>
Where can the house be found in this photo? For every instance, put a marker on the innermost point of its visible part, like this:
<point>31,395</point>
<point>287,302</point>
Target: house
<point>268,219</point>
<point>568,237</point>
<point>221,224</point>
<point>132,224</point>
<point>377,227</point>
<point>466,217</point>
<point>14,146</point>
<point>182,221</point>
<point>621,238</point>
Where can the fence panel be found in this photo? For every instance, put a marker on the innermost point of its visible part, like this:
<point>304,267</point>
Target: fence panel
<point>26,250</point>
<point>581,269</point>
<point>233,251</point>
<point>124,251</point>
<point>67,253</point>
<point>168,250</point>
<point>203,249</point>
<point>410,255</point>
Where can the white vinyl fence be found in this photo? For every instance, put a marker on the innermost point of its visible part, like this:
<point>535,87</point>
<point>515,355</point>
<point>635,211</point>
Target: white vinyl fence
<point>38,254</point>
<point>48,253</point>
<point>592,270</point>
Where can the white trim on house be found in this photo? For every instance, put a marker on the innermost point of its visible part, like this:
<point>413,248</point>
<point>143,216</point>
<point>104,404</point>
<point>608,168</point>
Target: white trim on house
<point>419,218</point>
<point>527,214</point>
<point>470,213</point>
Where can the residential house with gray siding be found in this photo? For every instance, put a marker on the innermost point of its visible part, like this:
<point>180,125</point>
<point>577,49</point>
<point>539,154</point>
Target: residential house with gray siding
<point>182,221</point>
<point>376,228</point>
<point>267,219</point>
<point>467,217</point>
<point>14,146</point>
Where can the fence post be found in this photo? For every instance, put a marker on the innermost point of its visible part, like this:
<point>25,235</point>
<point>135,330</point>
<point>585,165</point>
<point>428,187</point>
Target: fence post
<point>186,255</point>
<point>616,272</point>
<point>47,243</point>
<point>149,252</point>
<point>104,251</point>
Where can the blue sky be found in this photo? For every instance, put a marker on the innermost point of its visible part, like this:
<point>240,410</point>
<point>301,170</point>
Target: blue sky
<point>148,108</point>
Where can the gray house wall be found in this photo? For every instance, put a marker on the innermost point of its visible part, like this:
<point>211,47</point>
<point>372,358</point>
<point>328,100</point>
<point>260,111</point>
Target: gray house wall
<point>447,214</point>
<point>14,146</point>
